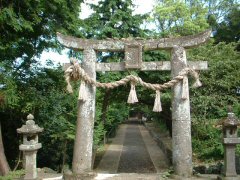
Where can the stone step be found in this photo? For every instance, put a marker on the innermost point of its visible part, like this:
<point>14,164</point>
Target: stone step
<point>156,176</point>
<point>49,176</point>
<point>128,176</point>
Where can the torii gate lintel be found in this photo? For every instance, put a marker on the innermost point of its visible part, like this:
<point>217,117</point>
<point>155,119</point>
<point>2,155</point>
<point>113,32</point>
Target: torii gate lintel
<point>147,44</point>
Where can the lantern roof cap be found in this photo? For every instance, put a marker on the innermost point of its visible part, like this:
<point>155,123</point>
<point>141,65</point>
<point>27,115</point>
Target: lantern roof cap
<point>231,120</point>
<point>30,128</point>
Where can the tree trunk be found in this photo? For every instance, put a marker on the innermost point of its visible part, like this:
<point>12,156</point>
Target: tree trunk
<point>4,167</point>
<point>64,155</point>
<point>105,105</point>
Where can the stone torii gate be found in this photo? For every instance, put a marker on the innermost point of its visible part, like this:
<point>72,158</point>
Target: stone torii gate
<point>181,121</point>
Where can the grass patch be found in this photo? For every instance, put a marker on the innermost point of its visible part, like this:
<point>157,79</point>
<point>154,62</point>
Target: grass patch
<point>13,175</point>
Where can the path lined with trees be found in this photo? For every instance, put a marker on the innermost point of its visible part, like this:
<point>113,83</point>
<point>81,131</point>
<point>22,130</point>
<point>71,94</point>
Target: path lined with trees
<point>133,151</point>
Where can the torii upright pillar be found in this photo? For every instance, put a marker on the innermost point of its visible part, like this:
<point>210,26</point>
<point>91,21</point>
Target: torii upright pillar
<point>82,153</point>
<point>181,121</point>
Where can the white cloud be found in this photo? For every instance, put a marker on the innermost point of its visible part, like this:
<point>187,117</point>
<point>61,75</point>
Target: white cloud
<point>54,57</point>
<point>143,6</point>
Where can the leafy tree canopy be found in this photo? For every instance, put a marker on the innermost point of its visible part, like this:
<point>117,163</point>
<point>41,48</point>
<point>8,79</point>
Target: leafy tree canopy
<point>229,29</point>
<point>177,17</point>
<point>28,27</point>
<point>114,19</point>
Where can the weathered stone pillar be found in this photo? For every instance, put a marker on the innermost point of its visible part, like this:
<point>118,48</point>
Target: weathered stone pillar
<point>31,166</point>
<point>82,154</point>
<point>181,121</point>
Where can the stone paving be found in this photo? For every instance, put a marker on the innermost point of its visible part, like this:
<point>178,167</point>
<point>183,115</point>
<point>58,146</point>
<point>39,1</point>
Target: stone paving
<point>110,160</point>
<point>134,155</point>
<point>133,151</point>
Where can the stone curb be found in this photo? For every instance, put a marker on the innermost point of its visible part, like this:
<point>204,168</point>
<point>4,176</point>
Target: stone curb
<point>162,145</point>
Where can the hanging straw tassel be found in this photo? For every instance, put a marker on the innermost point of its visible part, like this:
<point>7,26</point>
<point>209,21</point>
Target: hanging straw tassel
<point>157,103</point>
<point>82,92</point>
<point>184,88</point>
<point>132,98</point>
<point>67,79</point>
<point>197,82</point>
<point>69,87</point>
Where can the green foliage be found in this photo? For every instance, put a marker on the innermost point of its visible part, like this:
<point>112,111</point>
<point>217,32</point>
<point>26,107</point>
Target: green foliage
<point>99,133</point>
<point>28,27</point>
<point>42,94</point>
<point>207,140</point>
<point>209,103</point>
<point>179,17</point>
<point>10,94</point>
<point>218,9</point>
<point>57,114</point>
<point>114,19</point>
<point>118,112</point>
<point>228,30</point>
<point>219,82</point>
<point>167,174</point>
<point>13,175</point>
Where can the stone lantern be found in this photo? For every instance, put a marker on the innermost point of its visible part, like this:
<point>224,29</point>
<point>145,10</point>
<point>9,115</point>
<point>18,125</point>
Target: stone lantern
<point>30,146</point>
<point>230,140</point>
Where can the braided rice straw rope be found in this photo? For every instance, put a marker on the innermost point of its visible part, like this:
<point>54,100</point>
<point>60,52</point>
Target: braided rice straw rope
<point>75,72</point>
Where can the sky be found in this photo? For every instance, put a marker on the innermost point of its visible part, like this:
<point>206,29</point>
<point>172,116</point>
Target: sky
<point>142,6</point>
